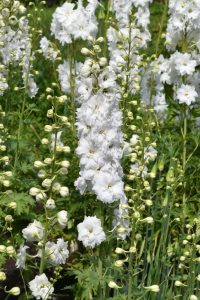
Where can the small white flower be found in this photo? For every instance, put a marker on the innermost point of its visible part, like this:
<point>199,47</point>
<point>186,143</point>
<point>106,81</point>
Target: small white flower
<point>33,232</point>
<point>21,257</point>
<point>90,232</point>
<point>62,218</point>
<point>40,287</point>
<point>57,253</point>
<point>186,94</point>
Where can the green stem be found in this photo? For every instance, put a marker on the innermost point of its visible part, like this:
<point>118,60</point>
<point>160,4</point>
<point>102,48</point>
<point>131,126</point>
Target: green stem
<point>162,22</point>
<point>184,159</point>
<point>72,88</point>
<point>105,49</point>
<point>44,240</point>
<point>130,266</point>
<point>21,121</point>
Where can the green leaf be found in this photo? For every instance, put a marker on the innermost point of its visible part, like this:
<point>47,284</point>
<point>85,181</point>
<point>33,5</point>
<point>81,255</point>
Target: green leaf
<point>24,202</point>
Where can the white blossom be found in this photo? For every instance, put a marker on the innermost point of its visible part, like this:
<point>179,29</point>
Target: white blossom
<point>33,232</point>
<point>90,232</point>
<point>40,287</point>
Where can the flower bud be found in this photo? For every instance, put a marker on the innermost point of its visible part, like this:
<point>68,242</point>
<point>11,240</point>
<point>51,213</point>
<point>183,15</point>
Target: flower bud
<point>50,204</point>
<point>64,191</point>
<point>38,164</point>
<point>85,51</point>
<point>103,61</point>
<point>62,218</point>
<point>34,191</point>
<point>10,250</point>
<point>48,161</point>
<point>113,285</point>
<point>2,276</point>
<point>15,291</point>
<point>65,163</point>
<point>179,283</point>
<point>2,249</point>
<point>66,149</point>
<point>193,297</point>
<point>148,220</point>
<point>119,263</point>
<point>48,128</point>
<point>12,205</point>
<point>119,250</point>
<point>153,288</point>
<point>45,141</point>
<point>46,183</point>
<point>9,218</point>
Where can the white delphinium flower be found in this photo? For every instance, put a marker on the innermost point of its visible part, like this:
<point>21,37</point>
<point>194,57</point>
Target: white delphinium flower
<point>47,49</point>
<point>69,23</point>
<point>90,232</point>
<point>108,187</point>
<point>33,232</point>
<point>64,76</point>
<point>186,94</point>
<point>150,153</point>
<point>40,287</point>
<point>184,65</point>
<point>56,137</point>
<point>21,257</point>
<point>57,253</point>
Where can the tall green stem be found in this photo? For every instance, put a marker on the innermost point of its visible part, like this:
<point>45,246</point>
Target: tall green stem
<point>72,54</point>
<point>184,158</point>
<point>106,28</point>
<point>21,121</point>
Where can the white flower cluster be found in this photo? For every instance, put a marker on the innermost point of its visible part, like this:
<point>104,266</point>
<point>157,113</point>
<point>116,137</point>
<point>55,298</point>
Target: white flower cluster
<point>184,23</point>
<point>99,123</point>
<point>122,9</point>
<point>180,71</point>
<point>15,44</point>
<point>74,23</point>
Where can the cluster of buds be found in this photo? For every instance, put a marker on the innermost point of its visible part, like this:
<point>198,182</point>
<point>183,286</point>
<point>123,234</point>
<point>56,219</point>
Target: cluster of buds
<point>53,166</point>
<point>5,174</point>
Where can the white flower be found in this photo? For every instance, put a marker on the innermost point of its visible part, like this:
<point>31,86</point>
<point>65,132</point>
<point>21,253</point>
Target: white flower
<point>62,218</point>
<point>90,232</point>
<point>108,187</point>
<point>64,76</point>
<point>33,232</point>
<point>47,49</point>
<point>73,23</point>
<point>134,139</point>
<point>186,94</point>
<point>40,287</point>
<point>21,257</point>
<point>150,153</point>
<point>57,253</point>
<point>184,64</point>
